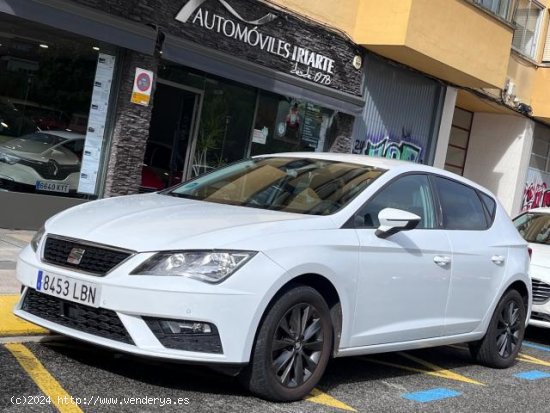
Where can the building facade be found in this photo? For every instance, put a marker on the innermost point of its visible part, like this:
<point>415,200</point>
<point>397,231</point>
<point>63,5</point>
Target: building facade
<point>494,58</point>
<point>101,98</point>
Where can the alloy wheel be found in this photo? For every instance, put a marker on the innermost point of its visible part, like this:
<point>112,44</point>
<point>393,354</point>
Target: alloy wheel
<point>297,345</point>
<point>508,329</point>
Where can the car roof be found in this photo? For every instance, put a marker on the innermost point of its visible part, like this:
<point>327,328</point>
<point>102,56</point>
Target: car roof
<point>63,134</point>
<point>378,162</point>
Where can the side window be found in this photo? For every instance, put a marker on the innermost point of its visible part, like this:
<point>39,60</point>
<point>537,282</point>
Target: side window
<point>410,193</point>
<point>462,208</point>
<point>490,205</point>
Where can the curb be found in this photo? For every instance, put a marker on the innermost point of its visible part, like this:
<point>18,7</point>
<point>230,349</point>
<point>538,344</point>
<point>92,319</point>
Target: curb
<point>12,325</point>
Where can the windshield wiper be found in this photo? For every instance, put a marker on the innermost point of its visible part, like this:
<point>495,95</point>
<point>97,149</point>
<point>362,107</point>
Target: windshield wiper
<point>186,196</point>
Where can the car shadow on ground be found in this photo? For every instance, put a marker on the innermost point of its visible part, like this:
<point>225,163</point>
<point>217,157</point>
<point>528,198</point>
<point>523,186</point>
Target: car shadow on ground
<point>378,367</point>
<point>166,374</point>
<point>538,335</point>
<point>193,378</point>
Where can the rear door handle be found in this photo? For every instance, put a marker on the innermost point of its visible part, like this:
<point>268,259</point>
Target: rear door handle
<point>442,261</point>
<point>497,259</point>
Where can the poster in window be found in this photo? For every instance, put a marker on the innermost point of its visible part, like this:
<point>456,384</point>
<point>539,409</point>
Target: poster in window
<point>95,131</point>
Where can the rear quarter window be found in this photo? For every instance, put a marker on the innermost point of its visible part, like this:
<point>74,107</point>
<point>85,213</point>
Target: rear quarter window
<point>490,207</point>
<point>461,206</point>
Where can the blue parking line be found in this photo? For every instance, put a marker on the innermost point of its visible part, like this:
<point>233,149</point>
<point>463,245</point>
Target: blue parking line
<point>537,346</point>
<point>430,395</point>
<point>532,375</point>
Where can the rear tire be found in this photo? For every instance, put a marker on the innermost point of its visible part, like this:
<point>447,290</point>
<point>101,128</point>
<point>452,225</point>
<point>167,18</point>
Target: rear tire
<point>292,347</point>
<point>502,342</point>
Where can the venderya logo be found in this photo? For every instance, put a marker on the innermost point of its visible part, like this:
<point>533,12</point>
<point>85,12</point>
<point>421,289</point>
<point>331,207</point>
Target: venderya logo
<point>192,5</point>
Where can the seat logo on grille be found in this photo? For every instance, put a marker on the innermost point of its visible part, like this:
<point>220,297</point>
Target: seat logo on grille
<point>75,256</point>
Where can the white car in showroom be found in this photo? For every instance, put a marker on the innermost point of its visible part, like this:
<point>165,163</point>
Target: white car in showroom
<point>42,161</point>
<point>275,264</point>
<point>534,226</point>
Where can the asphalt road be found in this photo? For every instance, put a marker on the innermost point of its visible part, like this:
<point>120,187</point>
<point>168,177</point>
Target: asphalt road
<point>100,380</point>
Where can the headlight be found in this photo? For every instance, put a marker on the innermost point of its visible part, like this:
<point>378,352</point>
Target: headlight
<point>9,159</point>
<point>37,238</point>
<point>208,266</point>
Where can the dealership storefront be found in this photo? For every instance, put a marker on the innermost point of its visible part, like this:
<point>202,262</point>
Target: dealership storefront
<point>100,99</point>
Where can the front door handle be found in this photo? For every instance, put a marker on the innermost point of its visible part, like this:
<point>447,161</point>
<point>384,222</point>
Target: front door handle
<point>441,260</point>
<point>497,259</point>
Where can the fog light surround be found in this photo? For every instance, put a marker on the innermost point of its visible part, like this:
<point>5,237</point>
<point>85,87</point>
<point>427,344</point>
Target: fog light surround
<point>187,335</point>
<point>185,327</point>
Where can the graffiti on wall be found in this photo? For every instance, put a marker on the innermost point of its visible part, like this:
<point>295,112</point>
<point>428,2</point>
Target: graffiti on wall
<point>535,195</point>
<point>536,192</point>
<point>401,148</point>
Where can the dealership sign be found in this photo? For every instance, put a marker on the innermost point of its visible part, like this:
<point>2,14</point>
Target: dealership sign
<point>192,6</point>
<point>295,46</point>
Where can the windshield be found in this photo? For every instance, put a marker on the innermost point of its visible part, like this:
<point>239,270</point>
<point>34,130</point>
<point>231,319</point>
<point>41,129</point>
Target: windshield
<point>302,185</point>
<point>45,138</point>
<point>12,121</point>
<point>34,143</point>
<point>534,227</point>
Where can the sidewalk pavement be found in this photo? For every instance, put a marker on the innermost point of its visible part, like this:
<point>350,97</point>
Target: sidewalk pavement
<point>11,242</point>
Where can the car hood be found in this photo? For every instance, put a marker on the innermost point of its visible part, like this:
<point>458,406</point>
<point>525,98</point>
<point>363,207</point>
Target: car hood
<point>37,152</point>
<point>155,222</point>
<point>25,146</point>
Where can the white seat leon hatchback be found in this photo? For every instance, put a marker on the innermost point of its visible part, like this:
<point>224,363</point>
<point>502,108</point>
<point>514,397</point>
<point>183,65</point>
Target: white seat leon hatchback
<point>271,266</point>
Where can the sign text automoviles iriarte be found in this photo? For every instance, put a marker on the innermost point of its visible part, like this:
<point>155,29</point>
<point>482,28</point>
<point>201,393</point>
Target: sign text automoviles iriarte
<point>305,63</point>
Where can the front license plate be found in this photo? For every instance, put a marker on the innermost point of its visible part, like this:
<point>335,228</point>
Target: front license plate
<point>68,288</point>
<point>52,186</point>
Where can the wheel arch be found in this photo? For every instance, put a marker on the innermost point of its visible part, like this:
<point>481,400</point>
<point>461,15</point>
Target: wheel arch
<point>329,293</point>
<point>523,289</point>
<point>519,283</point>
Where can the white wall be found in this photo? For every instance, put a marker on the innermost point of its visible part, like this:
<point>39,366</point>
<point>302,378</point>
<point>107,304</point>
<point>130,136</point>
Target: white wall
<point>445,127</point>
<point>498,156</point>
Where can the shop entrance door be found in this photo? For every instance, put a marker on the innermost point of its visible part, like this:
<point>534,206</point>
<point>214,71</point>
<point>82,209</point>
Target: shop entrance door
<point>176,109</point>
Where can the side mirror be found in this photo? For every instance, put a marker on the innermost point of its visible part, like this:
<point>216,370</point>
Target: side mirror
<point>394,220</point>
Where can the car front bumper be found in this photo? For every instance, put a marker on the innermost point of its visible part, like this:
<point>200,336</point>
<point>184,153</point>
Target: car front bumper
<point>234,307</point>
<point>540,311</point>
<point>540,315</point>
<point>23,175</point>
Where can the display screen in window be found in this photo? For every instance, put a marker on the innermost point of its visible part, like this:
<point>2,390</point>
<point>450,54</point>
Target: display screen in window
<point>46,85</point>
<point>285,124</point>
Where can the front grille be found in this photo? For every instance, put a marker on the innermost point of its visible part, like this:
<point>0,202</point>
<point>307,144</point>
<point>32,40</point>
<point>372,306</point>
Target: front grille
<point>541,291</point>
<point>96,260</point>
<point>540,317</point>
<point>97,321</point>
<point>51,169</point>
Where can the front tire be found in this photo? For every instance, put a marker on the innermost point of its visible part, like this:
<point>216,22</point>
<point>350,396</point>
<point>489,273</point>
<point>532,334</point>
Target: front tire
<point>502,342</point>
<point>292,347</point>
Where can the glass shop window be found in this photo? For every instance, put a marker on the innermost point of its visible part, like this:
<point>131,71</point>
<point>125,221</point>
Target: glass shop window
<point>48,81</point>
<point>285,124</point>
